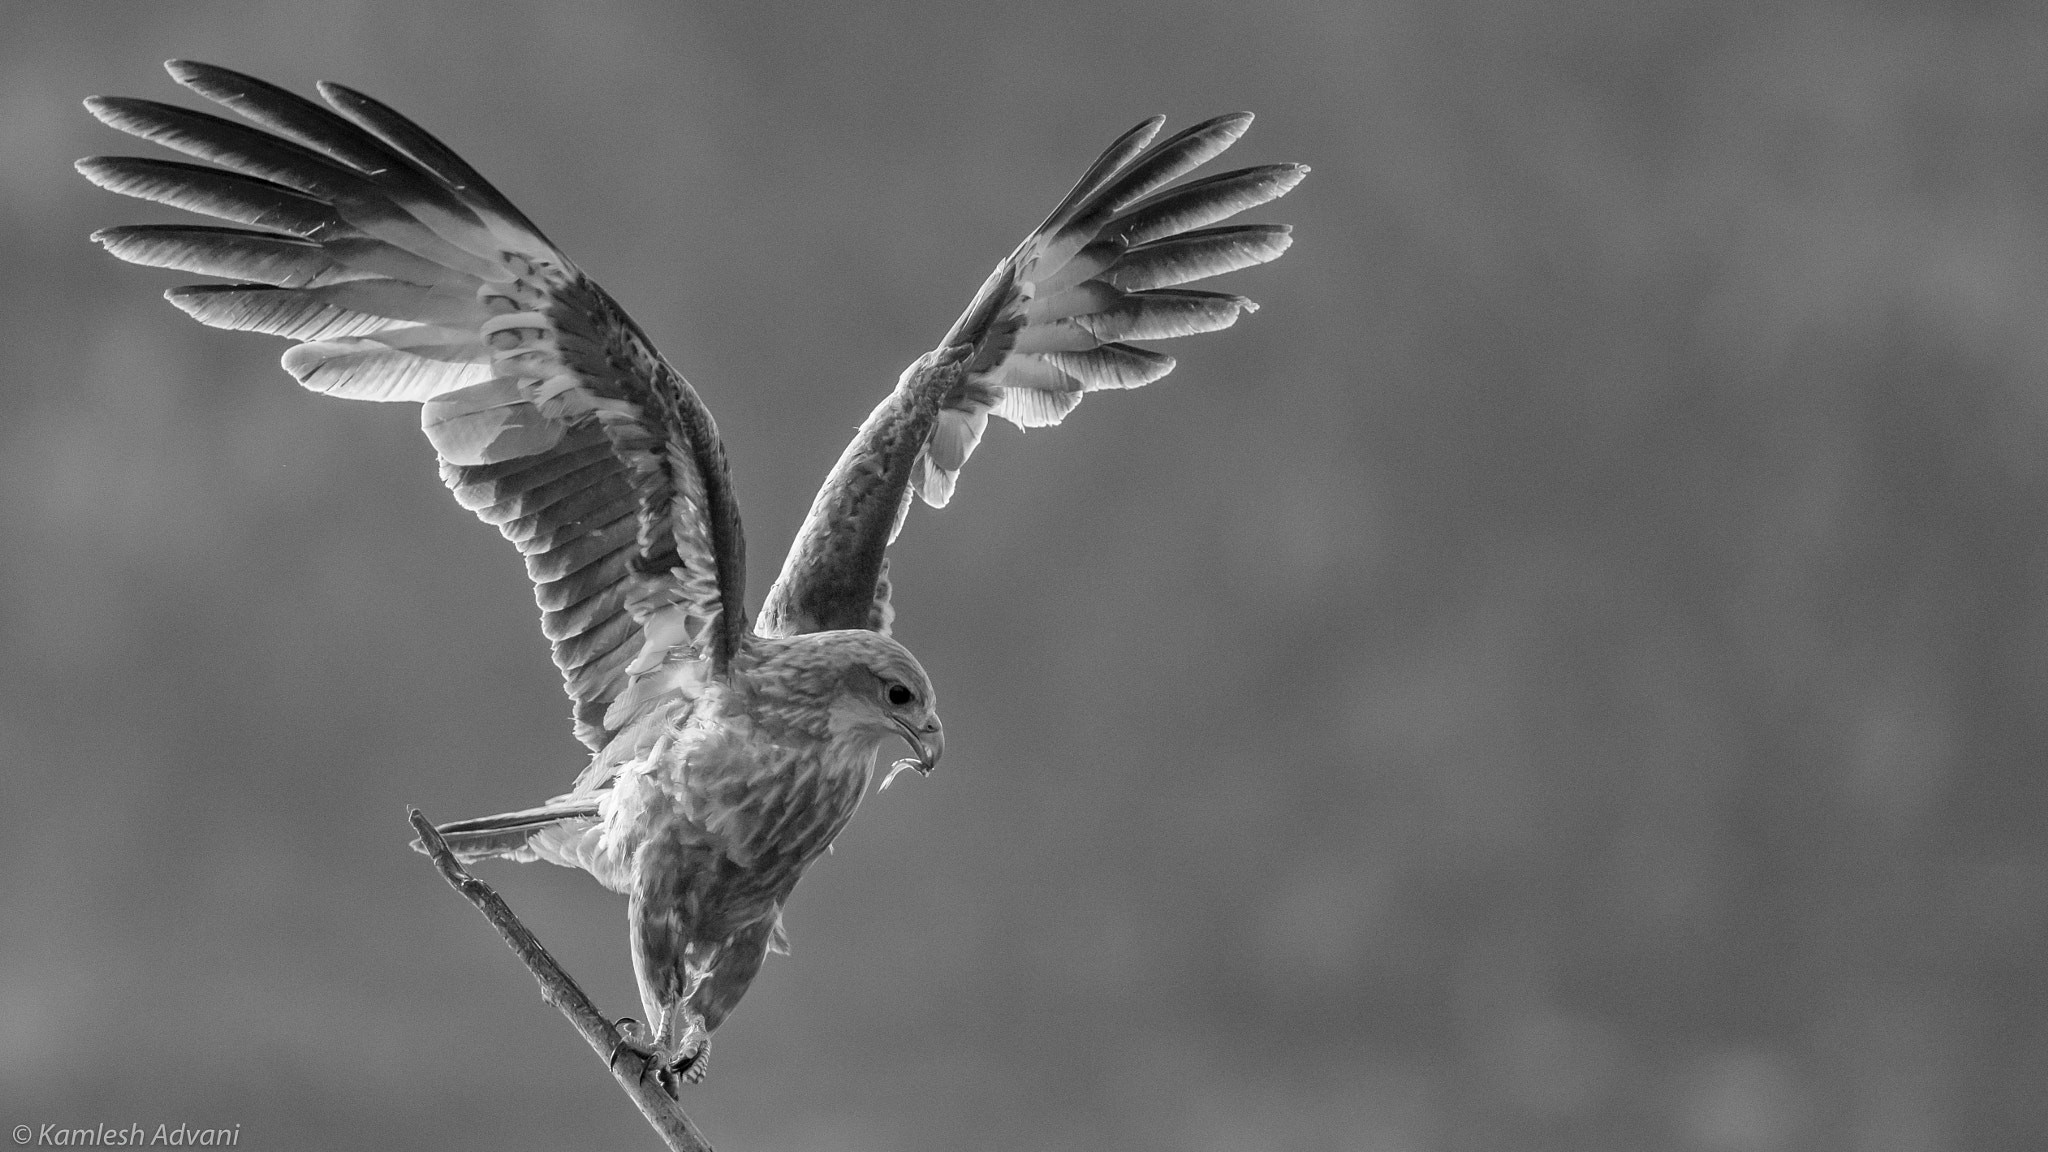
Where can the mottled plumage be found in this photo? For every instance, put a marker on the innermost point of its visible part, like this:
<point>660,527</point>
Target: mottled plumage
<point>725,758</point>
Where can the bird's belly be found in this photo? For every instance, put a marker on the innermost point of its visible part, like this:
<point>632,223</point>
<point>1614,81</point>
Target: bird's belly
<point>727,855</point>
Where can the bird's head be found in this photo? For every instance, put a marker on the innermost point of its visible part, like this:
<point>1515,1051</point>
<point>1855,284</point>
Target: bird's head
<point>873,689</point>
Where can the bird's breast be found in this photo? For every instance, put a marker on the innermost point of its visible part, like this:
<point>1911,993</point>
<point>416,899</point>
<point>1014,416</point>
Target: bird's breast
<point>756,811</point>
<point>790,811</point>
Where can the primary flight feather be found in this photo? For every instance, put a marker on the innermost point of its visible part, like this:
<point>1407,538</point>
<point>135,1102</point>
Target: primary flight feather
<point>724,757</point>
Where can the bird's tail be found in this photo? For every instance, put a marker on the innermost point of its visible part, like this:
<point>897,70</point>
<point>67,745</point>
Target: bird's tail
<point>511,835</point>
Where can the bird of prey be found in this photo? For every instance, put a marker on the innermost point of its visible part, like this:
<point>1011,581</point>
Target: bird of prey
<point>725,756</point>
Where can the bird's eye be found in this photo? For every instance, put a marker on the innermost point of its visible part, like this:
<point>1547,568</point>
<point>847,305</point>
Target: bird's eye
<point>899,695</point>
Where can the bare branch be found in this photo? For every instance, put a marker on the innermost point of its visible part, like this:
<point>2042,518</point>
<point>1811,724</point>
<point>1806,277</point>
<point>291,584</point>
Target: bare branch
<point>558,988</point>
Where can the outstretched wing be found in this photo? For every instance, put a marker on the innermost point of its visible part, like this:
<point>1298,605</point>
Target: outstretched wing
<point>1048,326</point>
<point>403,275</point>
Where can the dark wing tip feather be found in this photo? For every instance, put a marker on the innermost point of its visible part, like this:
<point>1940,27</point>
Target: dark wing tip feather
<point>191,73</point>
<point>1158,165</point>
<point>230,253</point>
<point>280,110</point>
<point>216,192</point>
<point>1113,158</point>
<point>123,112</point>
<point>398,131</point>
<point>105,108</point>
<point>1202,202</point>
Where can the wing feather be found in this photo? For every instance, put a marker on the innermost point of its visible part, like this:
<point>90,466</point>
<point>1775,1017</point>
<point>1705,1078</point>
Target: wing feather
<point>387,365</point>
<point>298,314</point>
<point>548,562</point>
<point>1049,325</point>
<point>1200,203</point>
<point>548,492</point>
<point>452,170</point>
<point>496,491</point>
<point>1113,366</point>
<point>1024,407</point>
<point>1198,255</point>
<point>233,253</point>
<point>600,573</point>
<point>1165,313</point>
<point>403,275</point>
<point>585,614</point>
<point>212,192</point>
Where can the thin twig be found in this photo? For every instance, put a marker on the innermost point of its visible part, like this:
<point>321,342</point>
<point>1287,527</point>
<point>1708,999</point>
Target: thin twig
<point>558,988</point>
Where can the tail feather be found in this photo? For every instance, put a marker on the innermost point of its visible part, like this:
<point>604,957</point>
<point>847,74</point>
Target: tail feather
<point>509,835</point>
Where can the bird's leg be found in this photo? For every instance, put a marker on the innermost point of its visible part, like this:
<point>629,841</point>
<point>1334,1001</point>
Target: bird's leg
<point>679,1047</point>
<point>684,1037</point>
<point>669,967</point>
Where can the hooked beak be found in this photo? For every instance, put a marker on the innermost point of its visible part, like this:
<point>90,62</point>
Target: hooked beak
<point>929,742</point>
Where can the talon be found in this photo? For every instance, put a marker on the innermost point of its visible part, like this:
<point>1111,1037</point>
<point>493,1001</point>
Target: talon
<point>671,1065</point>
<point>693,1067</point>
<point>638,1039</point>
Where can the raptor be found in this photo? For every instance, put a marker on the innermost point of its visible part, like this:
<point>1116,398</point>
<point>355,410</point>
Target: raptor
<point>726,753</point>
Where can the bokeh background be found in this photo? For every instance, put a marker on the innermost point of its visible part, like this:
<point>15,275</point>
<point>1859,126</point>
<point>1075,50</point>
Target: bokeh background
<point>1568,674</point>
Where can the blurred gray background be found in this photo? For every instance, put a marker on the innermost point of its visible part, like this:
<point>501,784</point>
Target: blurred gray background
<point>1566,675</point>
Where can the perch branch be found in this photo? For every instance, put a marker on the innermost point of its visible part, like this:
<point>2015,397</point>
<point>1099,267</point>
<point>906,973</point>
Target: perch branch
<point>558,988</point>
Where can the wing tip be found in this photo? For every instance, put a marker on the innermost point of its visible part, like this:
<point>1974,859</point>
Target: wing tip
<point>221,85</point>
<point>336,93</point>
<point>1237,123</point>
<point>1143,134</point>
<point>180,298</point>
<point>1161,366</point>
<point>188,298</point>
<point>350,102</point>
